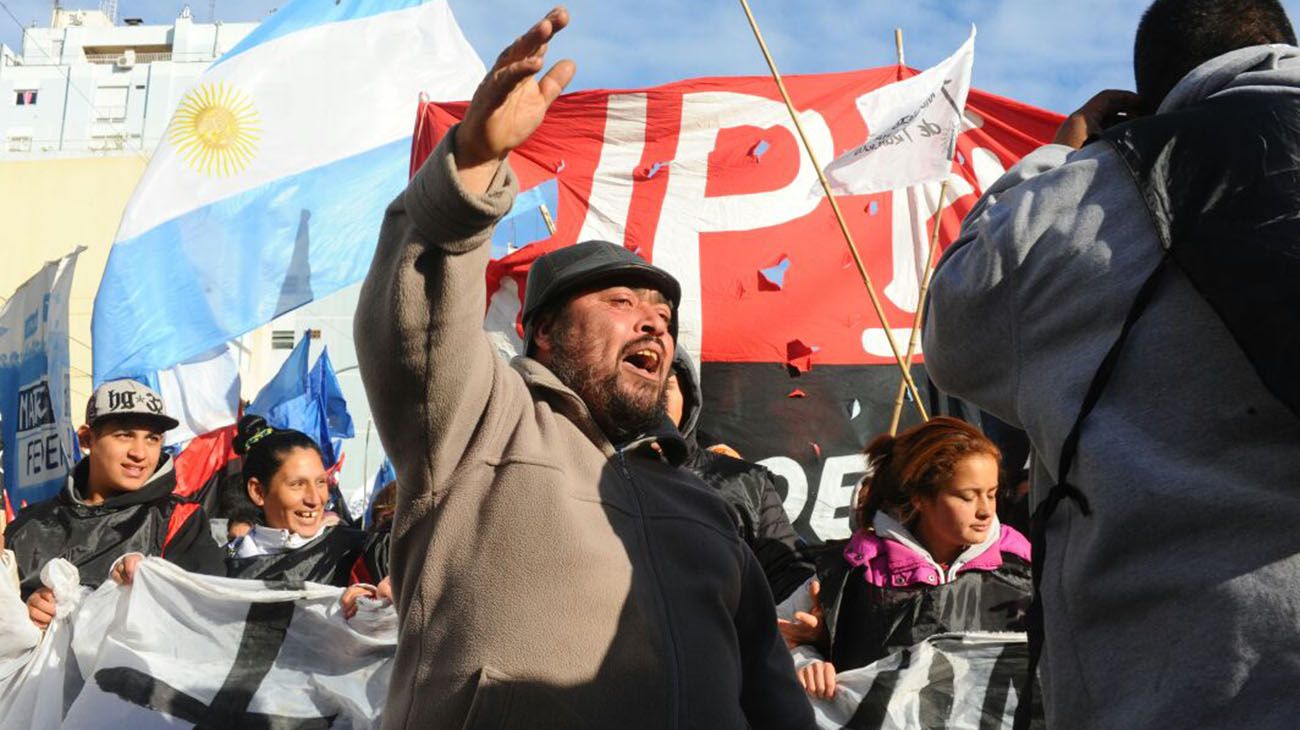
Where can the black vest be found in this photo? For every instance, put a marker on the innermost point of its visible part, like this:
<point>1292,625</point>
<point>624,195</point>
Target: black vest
<point>328,560</point>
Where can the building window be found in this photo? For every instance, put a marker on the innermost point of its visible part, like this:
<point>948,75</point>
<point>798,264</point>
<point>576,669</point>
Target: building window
<point>25,97</point>
<point>282,339</point>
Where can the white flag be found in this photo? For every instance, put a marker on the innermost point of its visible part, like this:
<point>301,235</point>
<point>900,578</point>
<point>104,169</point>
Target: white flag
<point>176,649</point>
<point>912,126</point>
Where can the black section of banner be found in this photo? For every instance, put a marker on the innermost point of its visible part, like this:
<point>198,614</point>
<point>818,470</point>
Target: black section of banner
<point>762,411</point>
<point>936,698</point>
<point>264,631</point>
<point>874,708</point>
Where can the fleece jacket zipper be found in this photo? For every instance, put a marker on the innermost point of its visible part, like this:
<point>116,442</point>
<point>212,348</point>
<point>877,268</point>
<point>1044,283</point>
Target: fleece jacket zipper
<point>674,701</point>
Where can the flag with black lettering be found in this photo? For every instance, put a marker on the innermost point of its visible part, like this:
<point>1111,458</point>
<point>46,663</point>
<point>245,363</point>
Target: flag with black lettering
<point>35,408</point>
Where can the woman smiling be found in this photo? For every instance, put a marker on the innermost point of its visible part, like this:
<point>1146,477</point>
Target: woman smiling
<point>286,478</point>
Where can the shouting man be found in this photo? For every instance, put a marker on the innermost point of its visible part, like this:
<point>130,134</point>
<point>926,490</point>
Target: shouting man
<point>553,566</point>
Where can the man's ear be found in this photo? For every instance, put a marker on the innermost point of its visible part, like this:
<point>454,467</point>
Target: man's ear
<point>86,437</point>
<point>256,493</point>
<point>544,337</point>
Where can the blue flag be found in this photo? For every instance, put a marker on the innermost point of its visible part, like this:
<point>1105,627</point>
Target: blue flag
<point>385,475</point>
<point>309,401</point>
<point>278,204</point>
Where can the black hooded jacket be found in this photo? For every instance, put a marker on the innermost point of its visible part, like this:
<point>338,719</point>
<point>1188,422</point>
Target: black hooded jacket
<point>750,491</point>
<point>93,537</point>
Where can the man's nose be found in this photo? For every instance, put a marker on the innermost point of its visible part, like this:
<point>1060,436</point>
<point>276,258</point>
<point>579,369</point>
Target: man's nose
<point>138,450</point>
<point>652,322</point>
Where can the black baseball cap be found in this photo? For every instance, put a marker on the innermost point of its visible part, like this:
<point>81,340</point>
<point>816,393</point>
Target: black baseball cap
<point>564,272</point>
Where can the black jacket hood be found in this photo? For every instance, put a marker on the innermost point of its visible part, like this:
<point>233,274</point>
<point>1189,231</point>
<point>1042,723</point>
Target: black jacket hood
<point>688,380</point>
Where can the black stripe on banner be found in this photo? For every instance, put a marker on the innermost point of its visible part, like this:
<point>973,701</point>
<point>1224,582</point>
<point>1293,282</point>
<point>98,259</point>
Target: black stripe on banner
<point>874,708</point>
<point>264,631</point>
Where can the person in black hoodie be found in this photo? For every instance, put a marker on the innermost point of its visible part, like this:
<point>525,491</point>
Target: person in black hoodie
<point>119,501</point>
<point>749,489</point>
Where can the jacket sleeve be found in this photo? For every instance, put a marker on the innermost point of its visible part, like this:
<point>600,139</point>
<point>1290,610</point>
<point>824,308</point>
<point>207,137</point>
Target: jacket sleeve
<point>776,544</point>
<point>771,696</point>
<point>427,365</point>
<point>193,547</point>
<point>971,334</point>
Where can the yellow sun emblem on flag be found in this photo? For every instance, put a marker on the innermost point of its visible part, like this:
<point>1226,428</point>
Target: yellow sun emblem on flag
<point>216,129</point>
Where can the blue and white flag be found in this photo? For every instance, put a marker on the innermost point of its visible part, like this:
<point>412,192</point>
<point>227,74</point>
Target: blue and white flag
<point>270,185</point>
<point>35,408</point>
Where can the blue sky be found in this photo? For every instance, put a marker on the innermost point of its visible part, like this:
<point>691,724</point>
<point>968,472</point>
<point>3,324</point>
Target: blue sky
<point>1052,54</point>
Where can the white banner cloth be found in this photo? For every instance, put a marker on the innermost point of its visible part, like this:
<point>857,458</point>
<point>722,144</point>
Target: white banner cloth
<point>179,649</point>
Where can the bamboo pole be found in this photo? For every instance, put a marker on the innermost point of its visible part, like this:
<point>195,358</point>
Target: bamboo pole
<point>546,218</point>
<point>920,308</point>
<point>839,217</point>
<point>898,45</point>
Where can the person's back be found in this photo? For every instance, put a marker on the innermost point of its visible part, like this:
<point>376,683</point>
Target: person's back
<point>1172,603</point>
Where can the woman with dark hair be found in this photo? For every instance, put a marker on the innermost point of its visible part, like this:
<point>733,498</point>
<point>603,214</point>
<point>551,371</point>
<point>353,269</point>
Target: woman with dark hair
<point>929,556</point>
<point>286,479</point>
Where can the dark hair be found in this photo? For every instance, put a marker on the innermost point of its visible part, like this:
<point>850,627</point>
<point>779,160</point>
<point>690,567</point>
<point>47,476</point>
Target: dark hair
<point>264,447</point>
<point>914,463</point>
<point>1176,36</point>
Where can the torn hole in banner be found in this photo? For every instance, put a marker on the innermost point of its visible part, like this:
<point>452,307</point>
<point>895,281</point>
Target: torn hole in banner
<point>817,449</point>
<point>649,171</point>
<point>796,393</point>
<point>759,149</point>
<point>773,277</point>
<point>798,357</point>
<point>853,408</point>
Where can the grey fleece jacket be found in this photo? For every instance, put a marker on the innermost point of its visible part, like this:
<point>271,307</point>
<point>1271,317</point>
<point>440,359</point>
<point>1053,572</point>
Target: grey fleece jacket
<point>543,578</point>
<point>1177,603</point>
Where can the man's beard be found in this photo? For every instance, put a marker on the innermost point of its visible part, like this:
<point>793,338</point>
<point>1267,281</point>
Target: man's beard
<point>621,415</point>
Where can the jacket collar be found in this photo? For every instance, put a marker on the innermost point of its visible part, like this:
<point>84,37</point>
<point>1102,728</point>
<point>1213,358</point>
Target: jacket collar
<point>547,386</point>
<point>897,553</point>
<point>160,484</point>
<point>263,540</point>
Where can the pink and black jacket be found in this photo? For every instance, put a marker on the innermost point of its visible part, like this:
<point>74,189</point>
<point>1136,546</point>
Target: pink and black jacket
<point>883,592</point>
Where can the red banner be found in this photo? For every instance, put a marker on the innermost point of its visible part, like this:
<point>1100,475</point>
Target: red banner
<point>707,179</point>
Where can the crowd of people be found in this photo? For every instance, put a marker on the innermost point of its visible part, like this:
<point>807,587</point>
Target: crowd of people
<point>562,551</point>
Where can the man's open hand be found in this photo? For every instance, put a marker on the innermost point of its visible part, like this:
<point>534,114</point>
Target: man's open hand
<point>510,103</point>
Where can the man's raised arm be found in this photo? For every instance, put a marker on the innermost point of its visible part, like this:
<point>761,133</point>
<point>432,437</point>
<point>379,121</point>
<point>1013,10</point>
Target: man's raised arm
<point>427,366</point>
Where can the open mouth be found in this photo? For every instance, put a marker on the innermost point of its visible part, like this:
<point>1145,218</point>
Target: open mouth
<point>133,472</point>
<point>306,515</point>
<point>645,360</point>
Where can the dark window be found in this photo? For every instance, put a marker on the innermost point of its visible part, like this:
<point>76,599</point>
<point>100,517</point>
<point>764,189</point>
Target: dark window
<point>25,97</point>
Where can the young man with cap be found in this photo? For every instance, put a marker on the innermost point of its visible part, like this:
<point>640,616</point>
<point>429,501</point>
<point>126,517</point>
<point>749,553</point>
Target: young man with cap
<point>552,567</point>
<point>118,501</point>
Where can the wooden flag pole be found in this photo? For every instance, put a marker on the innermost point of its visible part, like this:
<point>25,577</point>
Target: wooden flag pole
<point>546,218</point>
<point>920,308</point>
<point>839,217</point>
<point>898,45</point>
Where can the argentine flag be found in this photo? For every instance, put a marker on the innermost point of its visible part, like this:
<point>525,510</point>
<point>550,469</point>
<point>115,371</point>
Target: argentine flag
<point>270,185</point>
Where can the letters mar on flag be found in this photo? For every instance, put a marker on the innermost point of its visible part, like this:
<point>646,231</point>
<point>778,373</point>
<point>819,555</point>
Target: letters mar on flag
<point>913,126</point>
<point>222,235</point>
<point>35,408</point>
<point>707,179</point>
